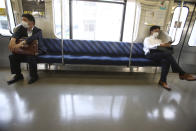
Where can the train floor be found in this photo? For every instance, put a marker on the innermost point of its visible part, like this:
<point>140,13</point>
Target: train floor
<point>96,101</point>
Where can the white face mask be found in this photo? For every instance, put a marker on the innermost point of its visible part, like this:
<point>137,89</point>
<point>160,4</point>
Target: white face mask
<point>155,34</point>
<point>25,24</point>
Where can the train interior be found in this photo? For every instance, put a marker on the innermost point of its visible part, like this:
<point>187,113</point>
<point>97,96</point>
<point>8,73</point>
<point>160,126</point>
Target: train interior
<point>95,75</point>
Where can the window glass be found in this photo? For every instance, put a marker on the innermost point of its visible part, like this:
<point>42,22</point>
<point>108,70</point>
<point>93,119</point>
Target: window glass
<point>176,28</point>
<point>129,21</point>
<point>57,18</point>
<point>97,20</point>
<point>6,25</point>
<point>192,40</point>
<point>4,28</point>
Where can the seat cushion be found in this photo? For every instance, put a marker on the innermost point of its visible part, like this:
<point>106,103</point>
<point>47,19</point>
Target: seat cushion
<point>93,48</point>
<point>137,50</point>
<point>53,46</point>
<point>94,52</point>
<point>96,60</point>
<point>50,59</point>
<point>97,48</point>
<point>106,60</point>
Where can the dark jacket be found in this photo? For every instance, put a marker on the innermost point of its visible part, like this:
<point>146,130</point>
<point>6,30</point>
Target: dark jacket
<point>36,35</point>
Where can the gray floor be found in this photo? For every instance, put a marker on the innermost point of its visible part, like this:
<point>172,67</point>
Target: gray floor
<point>96,101</point>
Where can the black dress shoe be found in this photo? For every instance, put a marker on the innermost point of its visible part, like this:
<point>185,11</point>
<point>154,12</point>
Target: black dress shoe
<point>15,79</point>
<point>33,79</point>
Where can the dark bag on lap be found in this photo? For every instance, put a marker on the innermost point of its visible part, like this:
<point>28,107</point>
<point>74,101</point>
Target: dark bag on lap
<point>30,49</point>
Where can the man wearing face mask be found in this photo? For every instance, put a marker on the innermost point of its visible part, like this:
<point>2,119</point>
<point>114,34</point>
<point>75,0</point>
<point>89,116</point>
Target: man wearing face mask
<point>166,59</point>
<point>31,32</point>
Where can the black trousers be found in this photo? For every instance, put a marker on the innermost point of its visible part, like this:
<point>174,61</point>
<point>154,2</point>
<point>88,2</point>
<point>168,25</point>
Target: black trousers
<point>166,60</point>
<point>16,59</point>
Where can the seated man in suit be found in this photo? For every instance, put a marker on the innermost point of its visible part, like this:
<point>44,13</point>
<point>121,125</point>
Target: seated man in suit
<point>166,59</point>
<point>29,30</point>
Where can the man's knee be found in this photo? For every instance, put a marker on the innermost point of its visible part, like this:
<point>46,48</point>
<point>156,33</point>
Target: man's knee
<point>15,56</point>
<point>165,62</point>
<point>167,55</point>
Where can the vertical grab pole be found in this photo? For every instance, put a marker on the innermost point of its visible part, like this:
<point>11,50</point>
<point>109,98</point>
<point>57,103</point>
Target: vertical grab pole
<point>133,31</point>
<point>123,20</point>
<point>8,17</point>
<point>62,51</point>
<point>182,4</point>
<point>70,20</point>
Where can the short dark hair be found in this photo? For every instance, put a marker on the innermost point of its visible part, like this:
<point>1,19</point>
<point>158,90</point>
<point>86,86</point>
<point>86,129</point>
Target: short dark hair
<point>154,27</point>
<point>29,17</point>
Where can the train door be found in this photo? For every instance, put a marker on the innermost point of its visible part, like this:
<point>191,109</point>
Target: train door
<point>180,30</point>
<point>187,58</point>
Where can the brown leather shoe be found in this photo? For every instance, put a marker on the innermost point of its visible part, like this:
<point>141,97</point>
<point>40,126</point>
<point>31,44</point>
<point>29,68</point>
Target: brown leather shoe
<point>164,85</point>
<point>187,77</point>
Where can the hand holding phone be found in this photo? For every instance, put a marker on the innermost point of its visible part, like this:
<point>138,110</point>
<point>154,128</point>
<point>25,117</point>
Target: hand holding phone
<point>170,42</point>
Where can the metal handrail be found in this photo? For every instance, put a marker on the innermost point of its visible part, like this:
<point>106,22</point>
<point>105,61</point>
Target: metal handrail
<point>133,31</point>
<point>123,20</point>
<point>62,27</point>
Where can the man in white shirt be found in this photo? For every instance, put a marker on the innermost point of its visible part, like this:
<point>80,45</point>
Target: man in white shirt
<point>166,59</point>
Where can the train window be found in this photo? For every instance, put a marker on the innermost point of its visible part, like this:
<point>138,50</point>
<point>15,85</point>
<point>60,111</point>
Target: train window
<point>176,28</point>
<point>97,20</point>
<point>57,18</point>
<point>192,40</point>
<point>7,23</point>
<point>4,28</point>
<point>94,20</point>
<point>129,21</point>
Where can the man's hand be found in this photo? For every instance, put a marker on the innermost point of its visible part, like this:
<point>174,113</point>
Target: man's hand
<point>166,45</point>
<point>22,44</point>
<point>12,44</point>
<point>170,42</point>
<point>19,45</point>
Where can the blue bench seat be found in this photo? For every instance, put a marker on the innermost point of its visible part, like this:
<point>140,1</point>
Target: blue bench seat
<point>94,52</point>
<point>50,59</point>
<point>96,60</point>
